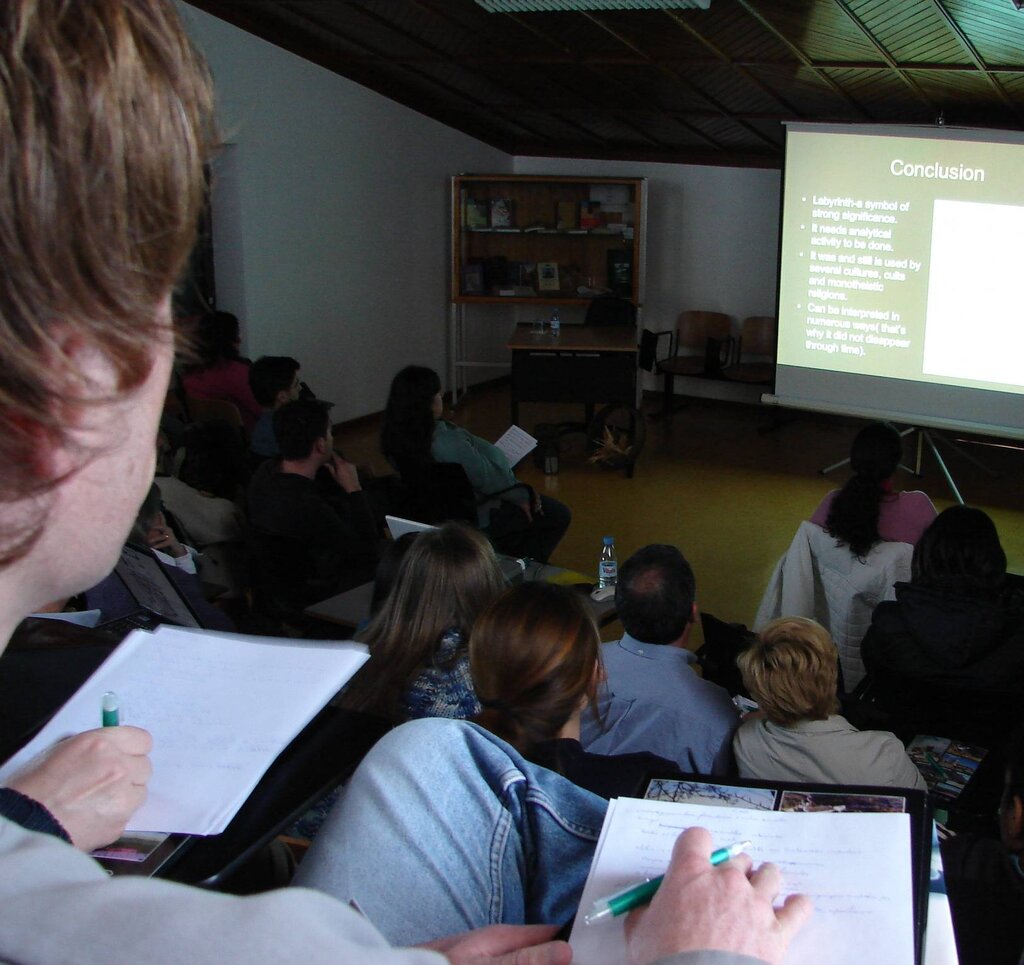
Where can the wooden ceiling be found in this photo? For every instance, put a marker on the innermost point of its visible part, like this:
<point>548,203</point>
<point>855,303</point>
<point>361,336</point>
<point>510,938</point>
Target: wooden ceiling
<point>698,86</point>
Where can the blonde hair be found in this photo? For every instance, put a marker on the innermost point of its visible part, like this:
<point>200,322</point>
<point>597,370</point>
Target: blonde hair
<point>791,670</point>
<point>534,658</point>
<point>445,580</point>
<point>106,120</point>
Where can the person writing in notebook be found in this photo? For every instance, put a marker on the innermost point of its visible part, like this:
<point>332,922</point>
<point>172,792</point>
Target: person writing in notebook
<point>106,125</point>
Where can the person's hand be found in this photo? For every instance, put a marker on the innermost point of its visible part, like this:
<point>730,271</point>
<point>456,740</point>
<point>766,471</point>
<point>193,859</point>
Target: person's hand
<point>527,510</point>
<point>91,783</point>
<point>725,908</point>
<point>538,506</point>
<point>505,945</point>
<point>345,474</point>
<point>161,537</point>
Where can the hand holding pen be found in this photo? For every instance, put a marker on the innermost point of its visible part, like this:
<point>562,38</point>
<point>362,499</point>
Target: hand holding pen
<point>93,782</point>
<point>728,907</point>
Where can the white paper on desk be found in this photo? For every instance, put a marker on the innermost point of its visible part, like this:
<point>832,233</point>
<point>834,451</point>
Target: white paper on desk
<point>516,444</point>
<point>855,867</point>
<point>220,706</point>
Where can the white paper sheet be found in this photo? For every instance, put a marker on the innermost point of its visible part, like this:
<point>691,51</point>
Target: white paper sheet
<point>221,707</point>
<point>516,444</point>
<point>855,867</point>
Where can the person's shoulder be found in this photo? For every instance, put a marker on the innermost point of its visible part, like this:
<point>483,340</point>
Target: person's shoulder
<point>821,513</point>
<point>916,501</point>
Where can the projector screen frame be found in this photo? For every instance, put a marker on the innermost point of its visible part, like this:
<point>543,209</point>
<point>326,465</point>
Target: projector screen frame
<point>958,405</point>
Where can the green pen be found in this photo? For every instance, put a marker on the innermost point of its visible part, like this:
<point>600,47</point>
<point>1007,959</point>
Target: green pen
<point>111,709</point>
<point>641,893</point>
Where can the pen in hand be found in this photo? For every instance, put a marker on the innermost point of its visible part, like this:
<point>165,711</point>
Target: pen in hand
<point>111,710</point>
<point>633,896</point>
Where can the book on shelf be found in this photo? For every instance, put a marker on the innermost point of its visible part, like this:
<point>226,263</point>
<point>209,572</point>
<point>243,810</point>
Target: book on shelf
<point>620,271</point>
<point>547,276</point>
<point>506,231</point>
<point>566,215</point>
<point>517,291</point>
<point>476,213</point>
<point>473,278</point>
<point>590,214</point>
<point>502,212</point>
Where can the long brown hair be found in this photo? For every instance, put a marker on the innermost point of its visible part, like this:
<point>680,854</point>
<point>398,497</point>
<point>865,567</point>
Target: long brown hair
<point>534,658</point>
<point>446,578</point>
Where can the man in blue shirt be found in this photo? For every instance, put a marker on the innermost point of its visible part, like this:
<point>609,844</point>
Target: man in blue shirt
<point>653,700</point>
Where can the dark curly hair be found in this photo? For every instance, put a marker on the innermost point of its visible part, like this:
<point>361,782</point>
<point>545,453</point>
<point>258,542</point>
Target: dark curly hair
<point>408,425</point>
<point>853,515</point>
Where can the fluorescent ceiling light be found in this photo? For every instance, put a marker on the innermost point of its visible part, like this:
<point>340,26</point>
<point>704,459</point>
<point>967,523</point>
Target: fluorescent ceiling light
<point>539,6</point>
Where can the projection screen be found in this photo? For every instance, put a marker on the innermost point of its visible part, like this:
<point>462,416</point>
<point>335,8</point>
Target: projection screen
<point>901,290</point>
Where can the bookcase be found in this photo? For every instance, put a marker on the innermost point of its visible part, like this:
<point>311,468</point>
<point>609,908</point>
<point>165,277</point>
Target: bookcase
<point>542,240</point>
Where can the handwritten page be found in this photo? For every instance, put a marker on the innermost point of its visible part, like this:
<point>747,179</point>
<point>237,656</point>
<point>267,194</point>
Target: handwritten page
<point>516,444</point>
<point>221,707</point>
<point>855,867</point>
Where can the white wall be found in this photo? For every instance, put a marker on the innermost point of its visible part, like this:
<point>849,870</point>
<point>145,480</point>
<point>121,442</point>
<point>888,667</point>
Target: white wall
<point>331,222</point>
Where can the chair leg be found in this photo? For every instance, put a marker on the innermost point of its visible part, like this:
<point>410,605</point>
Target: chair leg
<point>667,401</point>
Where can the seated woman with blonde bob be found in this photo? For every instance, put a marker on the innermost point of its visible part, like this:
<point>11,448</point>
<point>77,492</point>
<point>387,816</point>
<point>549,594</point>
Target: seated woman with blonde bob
<point>535,660</point>
<point>418,664</point>
<point>791,671</point>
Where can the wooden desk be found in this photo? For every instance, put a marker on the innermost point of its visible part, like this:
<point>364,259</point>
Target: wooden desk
<point>350,608</point>
<point>587,364</point>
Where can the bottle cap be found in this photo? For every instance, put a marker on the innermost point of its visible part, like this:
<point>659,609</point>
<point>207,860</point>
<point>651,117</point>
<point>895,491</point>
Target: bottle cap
<point>608,540</point>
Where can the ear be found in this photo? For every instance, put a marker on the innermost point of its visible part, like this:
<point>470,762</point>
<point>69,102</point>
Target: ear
<point>694,613</point>
<point>280,398</point>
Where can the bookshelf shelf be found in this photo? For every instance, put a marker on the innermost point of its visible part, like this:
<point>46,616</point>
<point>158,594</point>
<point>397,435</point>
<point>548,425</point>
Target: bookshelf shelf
<point>536,240</point>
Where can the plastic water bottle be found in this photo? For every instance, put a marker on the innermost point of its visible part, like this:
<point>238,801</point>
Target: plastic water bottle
<point>556,324</point>
<point>608,568</point>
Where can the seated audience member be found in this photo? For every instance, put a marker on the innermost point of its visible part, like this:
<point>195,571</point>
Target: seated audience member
<point>652,700</point>
<point>203,498</point>
<point>112,598</point>
<point>413,435</point>
<point>947,655</point>
<point>419,664</point>
<point>221,372</point>
<point>153,530</point>
<point>536,664</point>
<point>791,671</point>
<point>114,117</point>
<point>311,506</point>
<point>274,380</point>
<point>985,877</point>
<point>867,509</point>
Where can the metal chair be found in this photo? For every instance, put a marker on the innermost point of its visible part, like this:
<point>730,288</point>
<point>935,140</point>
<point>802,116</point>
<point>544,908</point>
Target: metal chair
<point>703,347</point>
<point>757,342</point>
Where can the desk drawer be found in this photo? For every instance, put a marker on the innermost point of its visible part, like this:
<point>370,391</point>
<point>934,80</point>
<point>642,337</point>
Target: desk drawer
<point>574,376</point>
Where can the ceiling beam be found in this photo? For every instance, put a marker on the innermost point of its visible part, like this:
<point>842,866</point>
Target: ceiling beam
<point>677,78</point>
<point>822,75</point>
<point>962,38</point>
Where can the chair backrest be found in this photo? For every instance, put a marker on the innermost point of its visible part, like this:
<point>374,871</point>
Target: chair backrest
<point>694,328</point>
<point>610,310</point>
<point>214,410</point>
<point>434,492</point>
<point>757,336</point>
